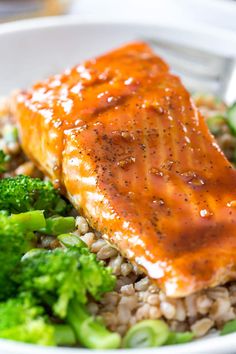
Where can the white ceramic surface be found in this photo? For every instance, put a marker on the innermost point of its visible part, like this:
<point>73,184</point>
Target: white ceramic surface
<point>220,13</point>
<point>31,50</point>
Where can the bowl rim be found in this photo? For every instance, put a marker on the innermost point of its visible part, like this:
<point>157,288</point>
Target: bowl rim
<point>77,20</point>
<point>219,35</point>
<point>13,28</point>
<point>215,344</point>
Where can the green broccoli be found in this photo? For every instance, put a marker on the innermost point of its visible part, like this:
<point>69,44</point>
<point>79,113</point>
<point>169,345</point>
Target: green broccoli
<point>23,320</point>
<point>96,277</point>
<point>22,193</point>
<point>4,159</point>
<point>15,239</point>
<point>55,275</point>
<point>62,279</point>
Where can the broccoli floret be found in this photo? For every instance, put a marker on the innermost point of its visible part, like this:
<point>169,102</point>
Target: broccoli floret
<point>15,239</point>
<point>96,277</point>
<point>62,279</point>
<point>4,159</point>
<point>54,275</point>
<point>23,320</point>
<point>22,193</point>
<point>64,274</point>
<point>13,244</point>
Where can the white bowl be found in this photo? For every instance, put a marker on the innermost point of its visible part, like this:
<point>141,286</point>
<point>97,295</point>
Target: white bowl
<point>31,50</point>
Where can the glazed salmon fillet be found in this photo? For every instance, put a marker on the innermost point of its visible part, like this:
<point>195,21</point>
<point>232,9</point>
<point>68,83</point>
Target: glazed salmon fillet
<point>121,136</point>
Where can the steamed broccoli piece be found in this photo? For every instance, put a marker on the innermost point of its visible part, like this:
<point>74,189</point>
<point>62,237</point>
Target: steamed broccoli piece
<point>96,278</point>
<point>54,276</point>
<point>16,238</point>
<point>22,193</point>
<point>4,159</point>
<point>23,320</point>
<point>95,275</point>
<point>64,274</point>
<point>62,279</point>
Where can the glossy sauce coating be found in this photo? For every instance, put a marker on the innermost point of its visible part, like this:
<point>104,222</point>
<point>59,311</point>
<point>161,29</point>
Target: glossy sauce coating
<point>121,135</point>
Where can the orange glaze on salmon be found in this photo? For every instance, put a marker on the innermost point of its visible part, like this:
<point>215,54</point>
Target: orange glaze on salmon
<point>121,134</point>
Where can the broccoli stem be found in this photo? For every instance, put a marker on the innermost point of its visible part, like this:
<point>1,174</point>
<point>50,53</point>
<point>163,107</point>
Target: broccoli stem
<point>64,335</point>
<point>89,331</point>
<point>30,221</point>
<point>58,224</point>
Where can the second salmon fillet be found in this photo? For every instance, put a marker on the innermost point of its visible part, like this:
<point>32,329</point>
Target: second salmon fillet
<point>121,135</point>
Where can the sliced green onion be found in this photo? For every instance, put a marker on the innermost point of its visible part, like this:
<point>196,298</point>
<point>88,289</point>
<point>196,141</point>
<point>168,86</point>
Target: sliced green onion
<point>229,327</point>
<point>57,225</point>
<point>146,334</point>
<point>179,338</point>
<point>70,240</point>
<point>231,117</point>
<point>30,221</point>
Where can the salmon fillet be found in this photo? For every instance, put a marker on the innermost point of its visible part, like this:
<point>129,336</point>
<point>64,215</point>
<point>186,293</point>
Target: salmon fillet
<point>122,137</point>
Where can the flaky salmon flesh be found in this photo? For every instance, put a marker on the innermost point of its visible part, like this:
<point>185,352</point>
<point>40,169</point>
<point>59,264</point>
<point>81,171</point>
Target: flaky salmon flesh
<point>121,136</point>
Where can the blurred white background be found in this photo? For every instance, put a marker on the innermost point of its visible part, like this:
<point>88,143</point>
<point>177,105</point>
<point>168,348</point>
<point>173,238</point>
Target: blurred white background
<point>219,13</point>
